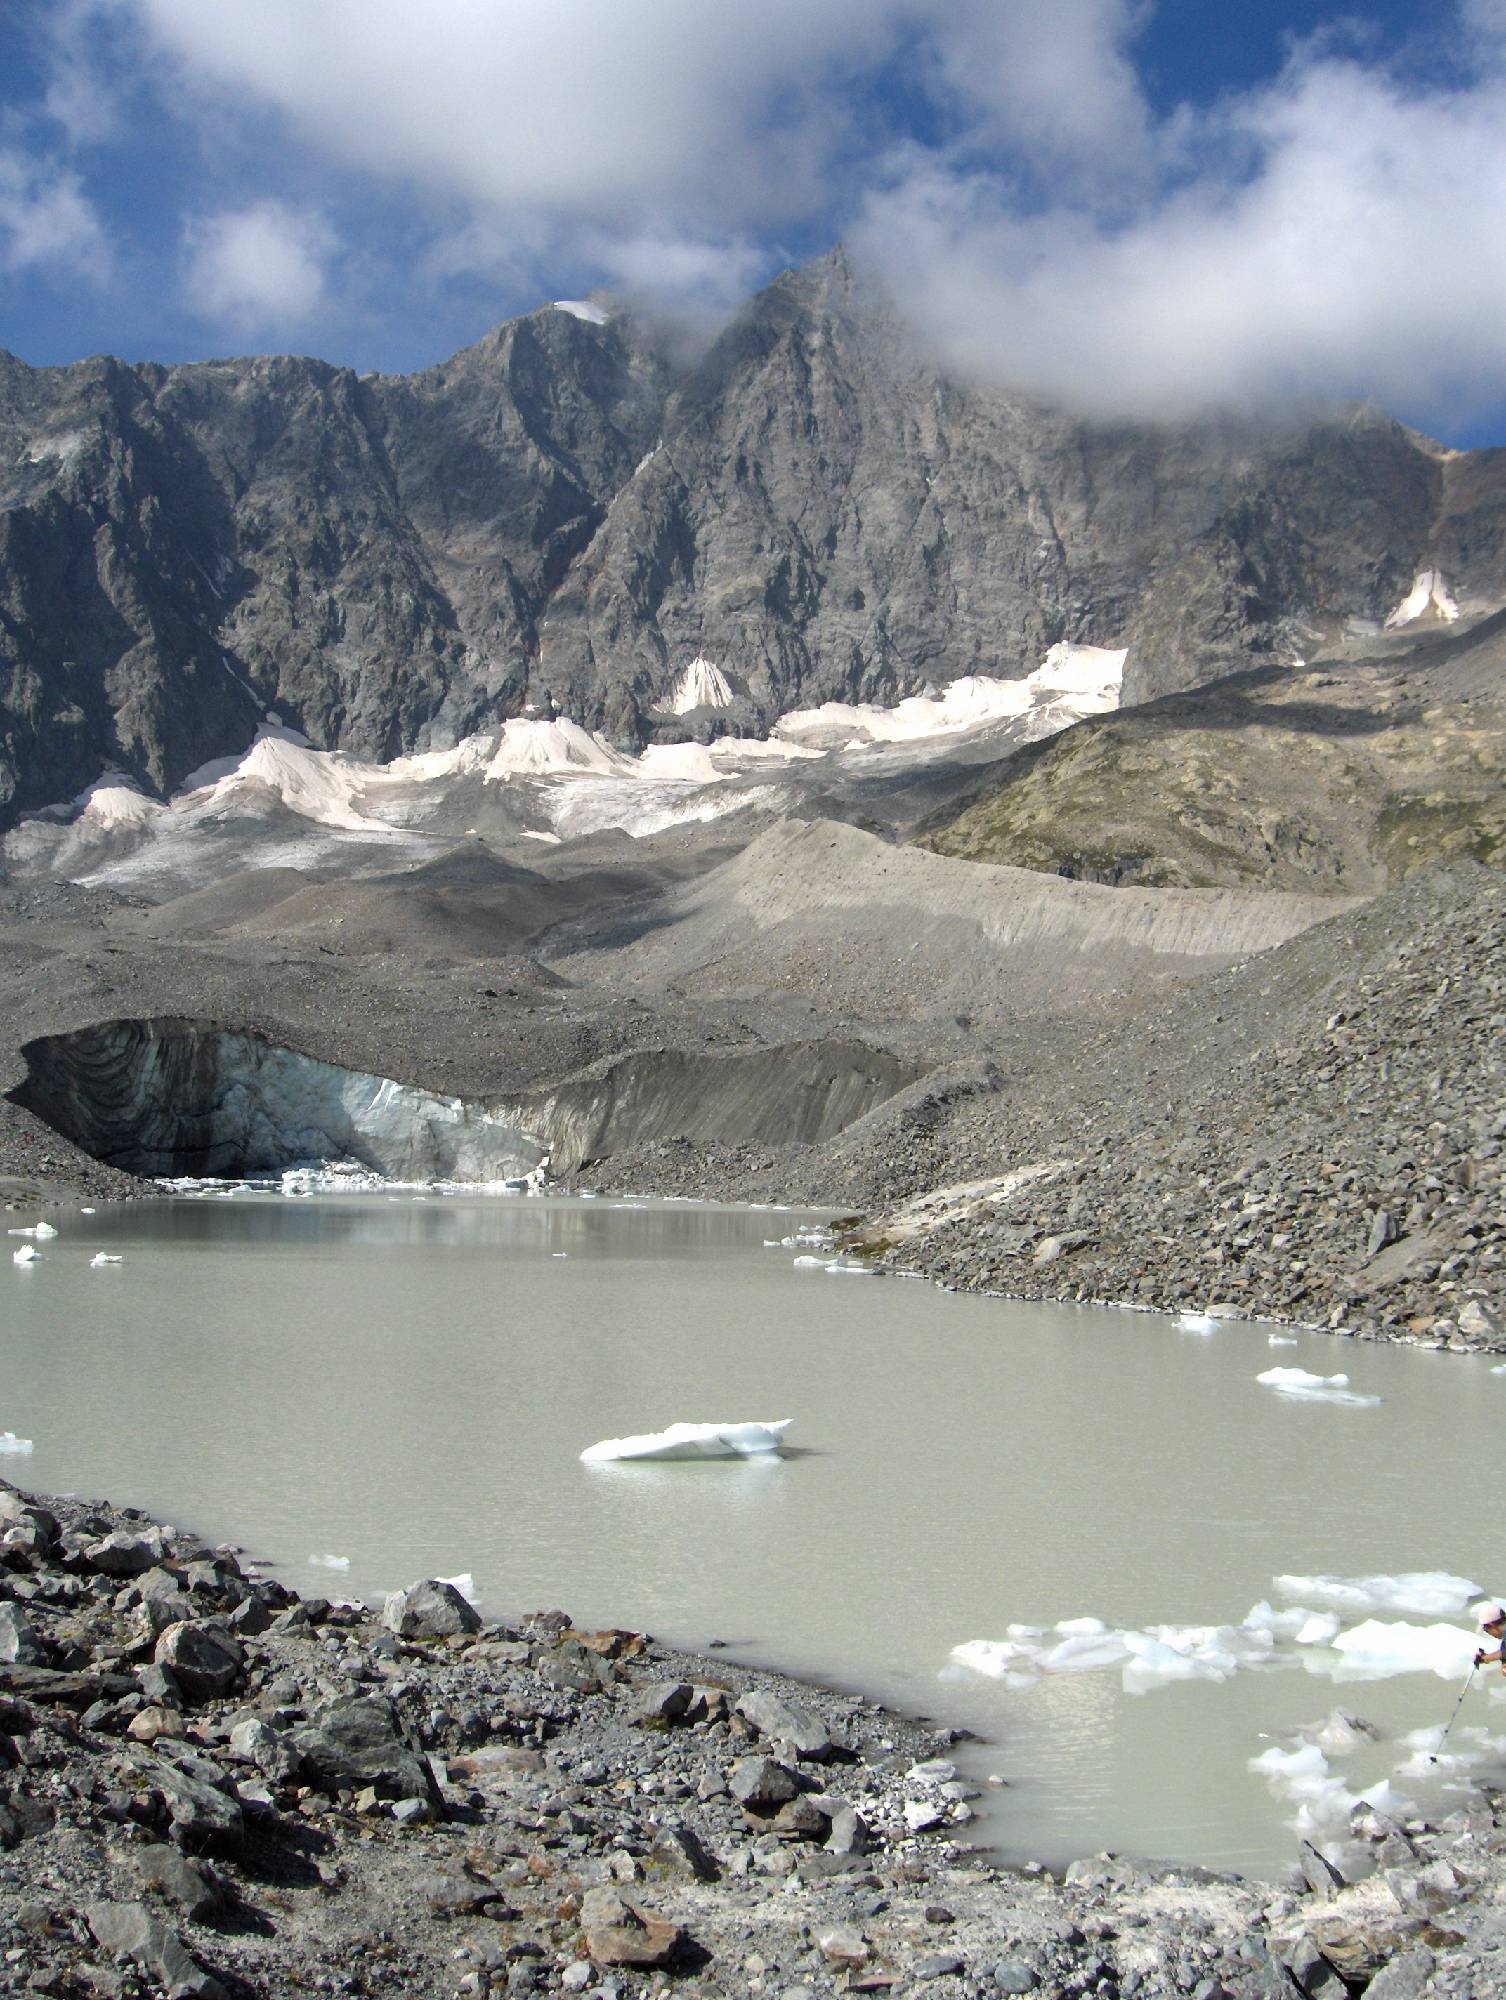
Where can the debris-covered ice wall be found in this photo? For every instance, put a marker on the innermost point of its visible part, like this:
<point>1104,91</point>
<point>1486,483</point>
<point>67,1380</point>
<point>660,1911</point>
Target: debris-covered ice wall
<point>174,1096</point>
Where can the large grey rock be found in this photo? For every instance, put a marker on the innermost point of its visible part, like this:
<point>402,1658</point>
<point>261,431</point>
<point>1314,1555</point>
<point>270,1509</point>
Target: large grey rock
<point>429,1610</point>
<point>1405,1978</point>
<point>204,1660</point>
<point>762,1783</point>
<point>200,1806</point>
<point>786,1723</point>
<point>20,1642</point>
<point>130,1931</point>
<point>16,1507</point>
<point>357,1743</point>
<point>122,1554</point>
<point>267,1748</point>
<point>189,1885</point>
<point>660,1703</point>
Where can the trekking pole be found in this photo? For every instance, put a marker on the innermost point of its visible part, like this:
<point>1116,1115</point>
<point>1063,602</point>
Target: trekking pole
<point>1455,1716</point>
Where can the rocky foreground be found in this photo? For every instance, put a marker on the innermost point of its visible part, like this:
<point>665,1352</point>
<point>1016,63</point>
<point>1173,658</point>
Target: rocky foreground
<point>209,1785</point>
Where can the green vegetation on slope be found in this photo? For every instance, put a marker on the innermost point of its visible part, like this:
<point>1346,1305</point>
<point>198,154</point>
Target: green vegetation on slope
<point>1343,781</point>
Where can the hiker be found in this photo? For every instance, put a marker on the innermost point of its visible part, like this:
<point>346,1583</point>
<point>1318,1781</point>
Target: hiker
<point>1494,1622</point>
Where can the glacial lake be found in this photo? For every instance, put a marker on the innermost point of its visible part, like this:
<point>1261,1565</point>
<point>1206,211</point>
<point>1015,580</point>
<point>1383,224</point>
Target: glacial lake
<point>406,1383</point>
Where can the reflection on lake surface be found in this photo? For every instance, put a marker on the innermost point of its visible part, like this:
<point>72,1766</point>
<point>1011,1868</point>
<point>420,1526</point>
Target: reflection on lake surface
<point>408,1384</point>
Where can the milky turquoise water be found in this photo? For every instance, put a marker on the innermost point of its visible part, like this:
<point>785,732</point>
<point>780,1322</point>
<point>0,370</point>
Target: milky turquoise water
<point>408,1383</point>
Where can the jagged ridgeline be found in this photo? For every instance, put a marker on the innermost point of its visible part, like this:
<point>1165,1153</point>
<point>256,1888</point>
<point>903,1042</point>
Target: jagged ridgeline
<point>571,516</point>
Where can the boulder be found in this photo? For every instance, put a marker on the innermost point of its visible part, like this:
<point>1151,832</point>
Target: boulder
<point>358,1742</point>
<point>1479,1321</point>
<point>267,1748</point>
<point>1404,1978</point>
<point>660,1703</point>
<point>204,1660</point>
<point>203,1814</point>
<point>429,1610</point>
<point>192,1887</point>
<point>785,1723</point>
<point>123,1555</point>
<point>844,1947</point>
<point>620,1932</point>
<point>15,1507</point>
<point>680,1851</point>
<point>130,1931</point>
<point>20,1642</point>
<point>762,1784</point>
<point>1318,1871</point>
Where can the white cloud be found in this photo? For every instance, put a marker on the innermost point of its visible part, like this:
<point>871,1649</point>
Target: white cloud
<point>1338,230</point>
<point>46,220</point>
<point>714,115</point>
<point>259,267</point>
<point>1348,238</point>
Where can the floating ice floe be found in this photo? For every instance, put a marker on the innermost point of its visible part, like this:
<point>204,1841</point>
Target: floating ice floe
<point>808,1263</point>
<point>102,1257</point>
<point>1153,1655</point>
<point>1281,1340</point>
<point>1378,1648</point>
<point>329,1562</point>
<point>1324,1802</point>
<point>1148,1658</point>
<point>1298,1383</point>
<point>465,1583</point>
<point>694,1441</point>
<point>837,1268</point>
<point>1197,1322</point>
<point>42,1231</point>
<point>24,1256</point>
<point>1430,1593</point>
<point>11,1445</point>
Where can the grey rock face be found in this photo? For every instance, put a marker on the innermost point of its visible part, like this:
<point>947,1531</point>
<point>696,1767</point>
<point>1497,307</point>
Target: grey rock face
<point>561,514</point>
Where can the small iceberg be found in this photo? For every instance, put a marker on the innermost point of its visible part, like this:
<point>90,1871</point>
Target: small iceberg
<point>24,1256</point>
<point>40,1230</point>
<point>11,1445</point>
<point>329,1562</point>
<point>102,1257</point>
<point>1196,1322</point>
<point>694,1441</point>
<point>1298,1382</point>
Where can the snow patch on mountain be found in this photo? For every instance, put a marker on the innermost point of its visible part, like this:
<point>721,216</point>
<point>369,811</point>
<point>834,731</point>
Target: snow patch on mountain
<point>566,779</point>
<point>1429,592</point>
<point>582,309</point>
<point>1070,683</point>
<point>702,685</point>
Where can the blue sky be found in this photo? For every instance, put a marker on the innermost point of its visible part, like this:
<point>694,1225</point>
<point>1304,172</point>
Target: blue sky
<point>1136,208</point>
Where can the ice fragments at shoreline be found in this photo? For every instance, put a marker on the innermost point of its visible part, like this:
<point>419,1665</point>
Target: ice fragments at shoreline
<point>1372,1649</point>
<point>683,1441</point>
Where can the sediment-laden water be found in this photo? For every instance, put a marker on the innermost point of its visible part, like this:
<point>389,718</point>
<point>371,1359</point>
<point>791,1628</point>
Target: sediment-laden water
<point>405,1384</point>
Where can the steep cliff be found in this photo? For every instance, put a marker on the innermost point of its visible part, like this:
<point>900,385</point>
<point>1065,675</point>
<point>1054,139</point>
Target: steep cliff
<point>565,515</point>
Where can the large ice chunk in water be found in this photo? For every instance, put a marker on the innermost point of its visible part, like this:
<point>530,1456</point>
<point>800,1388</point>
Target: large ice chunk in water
<point>1377,1648</point>
<point>694,1441</point>
<point>1310,1388</point>
<point>1429,1593</point>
